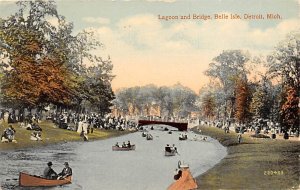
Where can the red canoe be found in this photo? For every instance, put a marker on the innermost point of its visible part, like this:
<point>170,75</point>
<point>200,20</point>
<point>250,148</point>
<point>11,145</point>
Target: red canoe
<point>27,180</point>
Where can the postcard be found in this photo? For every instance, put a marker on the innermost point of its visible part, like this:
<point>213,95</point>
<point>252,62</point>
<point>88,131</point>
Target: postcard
<point>149,94</point>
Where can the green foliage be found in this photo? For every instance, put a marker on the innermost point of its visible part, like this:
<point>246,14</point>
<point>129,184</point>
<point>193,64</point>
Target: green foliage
<point>208,105</point>
<point>285,60</point>
<point>45,63</point>
<point>172,101</point>
<point>260,103</point>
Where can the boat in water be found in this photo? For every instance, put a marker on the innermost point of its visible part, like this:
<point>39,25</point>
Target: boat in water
<point>27,180</point>
<point>116,148</point>
<point>183,179</point>
<point>149,137</point>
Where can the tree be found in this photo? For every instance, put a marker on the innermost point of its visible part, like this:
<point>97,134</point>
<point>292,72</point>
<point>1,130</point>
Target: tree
<point>96,87</point>
<point>285,63</point>
<point>226,68</point>
<point>208,105</point>
<point>242,101</point>
<point>34,64</point>
<point>45,63</point>
<point>175,101</point>
<point>260,106</point>
<point>290,110</point>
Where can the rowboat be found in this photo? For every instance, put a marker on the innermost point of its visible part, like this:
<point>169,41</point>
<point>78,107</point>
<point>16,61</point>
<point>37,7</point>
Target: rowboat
<point>172,153</point>
<point>27,180</point>
<point>149,137</point>
<point>116,148</point>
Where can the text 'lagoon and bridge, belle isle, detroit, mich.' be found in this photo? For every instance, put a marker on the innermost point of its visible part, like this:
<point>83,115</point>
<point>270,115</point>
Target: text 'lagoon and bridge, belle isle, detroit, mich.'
<point>221,16</point>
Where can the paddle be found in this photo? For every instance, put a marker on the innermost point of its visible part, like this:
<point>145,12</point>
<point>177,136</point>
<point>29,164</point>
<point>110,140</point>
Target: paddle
<point>14,179</point>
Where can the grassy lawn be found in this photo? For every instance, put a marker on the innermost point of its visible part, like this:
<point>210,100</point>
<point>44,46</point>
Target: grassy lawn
<point>253,164</point>
<point>51,135</point>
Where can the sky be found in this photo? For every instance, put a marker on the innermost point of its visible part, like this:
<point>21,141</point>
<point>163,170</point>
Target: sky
<point>146,49</point>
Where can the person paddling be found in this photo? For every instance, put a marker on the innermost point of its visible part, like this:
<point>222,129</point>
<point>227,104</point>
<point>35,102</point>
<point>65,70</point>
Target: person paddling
<point>67,171</point>
<point>49,173</point>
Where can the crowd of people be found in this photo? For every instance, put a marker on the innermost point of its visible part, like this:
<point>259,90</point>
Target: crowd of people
<point>71,121</point>
<point>258,127</point>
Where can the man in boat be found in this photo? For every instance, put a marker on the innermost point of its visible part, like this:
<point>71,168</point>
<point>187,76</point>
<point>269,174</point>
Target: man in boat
<point>49,173</point>
<point>168,148</point>
<point>67,171</point>
<point>174,148</point>
<point>124,145</point>
<point>117,144</point>
<point>128,144</point>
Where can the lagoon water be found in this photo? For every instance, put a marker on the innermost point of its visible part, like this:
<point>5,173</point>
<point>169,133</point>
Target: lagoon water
<point>96,167</point>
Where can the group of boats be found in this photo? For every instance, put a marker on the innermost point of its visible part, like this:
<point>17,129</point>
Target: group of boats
<point>27,180</point>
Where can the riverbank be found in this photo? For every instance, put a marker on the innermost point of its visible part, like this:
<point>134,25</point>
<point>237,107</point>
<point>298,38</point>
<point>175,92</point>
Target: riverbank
<point>253,164</point>
<point>52,135</point>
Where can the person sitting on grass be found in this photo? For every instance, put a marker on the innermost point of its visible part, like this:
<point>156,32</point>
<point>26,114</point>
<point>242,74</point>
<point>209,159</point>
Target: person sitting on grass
<point>67,171</point>
<point>8,135</point>
<point>36,136</point>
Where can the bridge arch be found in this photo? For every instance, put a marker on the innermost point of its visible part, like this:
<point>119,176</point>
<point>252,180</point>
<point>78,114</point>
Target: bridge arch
<point>179,126</point>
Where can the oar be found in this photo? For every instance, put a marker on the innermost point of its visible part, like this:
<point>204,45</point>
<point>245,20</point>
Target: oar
<point>15,179</point>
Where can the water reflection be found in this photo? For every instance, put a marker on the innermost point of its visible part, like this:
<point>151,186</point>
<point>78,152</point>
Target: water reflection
<point>95,166</point>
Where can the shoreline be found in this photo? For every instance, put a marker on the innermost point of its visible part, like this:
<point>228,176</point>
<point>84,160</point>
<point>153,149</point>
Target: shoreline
<point>253,164</point>
<point>52,135</point>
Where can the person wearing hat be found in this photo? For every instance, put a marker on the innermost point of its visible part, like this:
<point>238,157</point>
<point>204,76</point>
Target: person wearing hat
<point>49,173</point>
<point>67,171</point>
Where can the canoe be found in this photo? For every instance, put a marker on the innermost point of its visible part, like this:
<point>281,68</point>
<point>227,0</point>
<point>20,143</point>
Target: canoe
<point>27,180</point>
<point>184,182</point>
<point>115,148</point>
<point>182,138</point>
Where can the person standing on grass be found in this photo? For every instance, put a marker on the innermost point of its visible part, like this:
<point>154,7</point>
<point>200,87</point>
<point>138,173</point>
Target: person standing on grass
<point>239,137</point>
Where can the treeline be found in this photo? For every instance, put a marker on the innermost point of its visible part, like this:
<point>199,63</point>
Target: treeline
<point>238,94</point>
<point>242,89</point>
<point>175,101</point>
<point>44,62</point>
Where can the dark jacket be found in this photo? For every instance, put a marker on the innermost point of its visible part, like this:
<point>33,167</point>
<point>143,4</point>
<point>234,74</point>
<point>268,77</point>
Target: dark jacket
<point>67,171</point>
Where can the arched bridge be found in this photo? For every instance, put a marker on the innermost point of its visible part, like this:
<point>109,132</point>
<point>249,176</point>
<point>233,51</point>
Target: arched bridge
<point>179,126</point>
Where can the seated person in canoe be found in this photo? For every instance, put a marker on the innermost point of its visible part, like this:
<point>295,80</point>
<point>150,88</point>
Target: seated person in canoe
<point>67,171</point>
<point>168,148</point>
<point>49,173</point>
<point>128,144</point>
